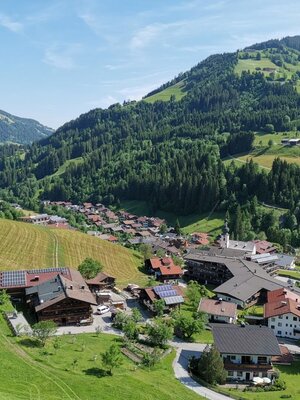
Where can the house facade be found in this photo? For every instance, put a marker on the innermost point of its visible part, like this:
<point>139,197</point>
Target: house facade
<point>246,351</point>
<point>282,312</point>
<point>219,310</point>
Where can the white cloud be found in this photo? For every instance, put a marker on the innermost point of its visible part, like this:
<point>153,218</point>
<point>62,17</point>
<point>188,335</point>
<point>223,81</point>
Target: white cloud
<point>10,24</point>
<point>149,33</point>
<point>62,56</point>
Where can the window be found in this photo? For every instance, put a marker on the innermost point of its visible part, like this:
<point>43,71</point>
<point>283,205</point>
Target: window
<point>294,318</point>
<point>272,326</point>
<point>239,374</point>
<point>278,332</point>
<point>230,373</point>
<point>232,357</point>
<point>279,324</point>
<point>261,360</point>
<point>272,319</point>
<point>280,316</point>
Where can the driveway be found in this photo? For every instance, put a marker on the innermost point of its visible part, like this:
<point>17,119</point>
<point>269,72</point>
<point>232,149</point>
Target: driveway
<point>183,353</point>
<point>102,322</point>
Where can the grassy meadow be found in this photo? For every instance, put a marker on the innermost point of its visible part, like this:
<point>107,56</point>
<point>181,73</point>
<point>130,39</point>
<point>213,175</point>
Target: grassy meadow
<point>211,223</point>
<point>176,90</point>
<point>72,370</point>
<point>26,246</point>
<point>264,155</point>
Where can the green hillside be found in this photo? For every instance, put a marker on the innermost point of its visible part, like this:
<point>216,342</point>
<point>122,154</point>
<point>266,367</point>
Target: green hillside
<point>21,130</point>
<point>27,246</point>
<point>177,90</point>
<point>267,147</point>
<point>168,153</point>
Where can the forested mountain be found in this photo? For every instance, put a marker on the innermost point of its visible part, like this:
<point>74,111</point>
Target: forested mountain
<point>21,130</point>
<point>169,153</point>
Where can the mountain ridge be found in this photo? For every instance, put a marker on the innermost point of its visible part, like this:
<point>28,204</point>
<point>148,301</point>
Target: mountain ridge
<point>21,130</point>
<point>170,152</point>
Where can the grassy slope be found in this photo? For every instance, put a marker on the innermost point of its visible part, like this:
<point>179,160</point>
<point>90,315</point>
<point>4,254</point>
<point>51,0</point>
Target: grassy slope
<point>47,374</point>
<point>25,246</point>
<point>264,155</point>
<point>210,222</point>
<point>164,95</point>
<point>252,64</point>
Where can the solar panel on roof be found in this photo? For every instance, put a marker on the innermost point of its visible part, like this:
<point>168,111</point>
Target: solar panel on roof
<point>162,288</point>
<point>62,270</point>
<point>174,300</point>
<point>13,278</point>
<point>167,293</point>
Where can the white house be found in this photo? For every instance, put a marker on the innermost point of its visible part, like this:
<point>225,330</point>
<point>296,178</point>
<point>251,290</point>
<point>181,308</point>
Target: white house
<point>219,310</point>
<point>282,312</point>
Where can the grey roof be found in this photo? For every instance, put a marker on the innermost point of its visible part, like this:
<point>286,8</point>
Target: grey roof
<point>284,260</point>
<point>247,340</point>
<point>248,277</point>
<point>173,300</point>
<point>47,290</point>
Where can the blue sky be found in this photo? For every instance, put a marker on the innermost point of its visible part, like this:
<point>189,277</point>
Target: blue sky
<point>61,58</point>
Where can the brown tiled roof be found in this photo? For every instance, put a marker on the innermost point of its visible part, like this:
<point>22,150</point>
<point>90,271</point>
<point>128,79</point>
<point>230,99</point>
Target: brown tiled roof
<point>216,307</point>
<point>286,357</point>
<point>98,279</point>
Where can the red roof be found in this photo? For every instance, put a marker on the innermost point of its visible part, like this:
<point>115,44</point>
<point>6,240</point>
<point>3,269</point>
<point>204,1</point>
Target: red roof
<point>262,246</point>
<point>280,302</point>
<point>166,266</point>
<point>200,238</point>
<point>112,239</point>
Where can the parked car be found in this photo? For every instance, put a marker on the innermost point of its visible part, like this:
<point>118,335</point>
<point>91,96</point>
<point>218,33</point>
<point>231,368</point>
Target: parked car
<point>102,309</point>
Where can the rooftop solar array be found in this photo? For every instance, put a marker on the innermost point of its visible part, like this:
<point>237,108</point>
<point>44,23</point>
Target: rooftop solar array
<point>162,288</point>
<point>12,278</point>
<point>167,293</point>
<point>61,270</point>
<point>174,300</point>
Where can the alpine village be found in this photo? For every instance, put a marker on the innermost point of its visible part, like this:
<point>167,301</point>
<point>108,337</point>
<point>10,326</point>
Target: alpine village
<point>151,249</point>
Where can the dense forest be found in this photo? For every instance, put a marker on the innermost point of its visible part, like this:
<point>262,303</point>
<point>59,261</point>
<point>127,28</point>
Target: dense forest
<point>169,153</point>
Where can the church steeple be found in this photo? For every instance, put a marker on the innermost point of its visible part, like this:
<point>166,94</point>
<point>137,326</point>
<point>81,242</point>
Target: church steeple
<point>225,235</point>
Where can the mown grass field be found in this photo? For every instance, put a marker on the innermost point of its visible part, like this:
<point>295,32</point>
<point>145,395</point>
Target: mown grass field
<point>252,64</point>
<point>175,90</point>
<point>264,155</point>
<point>74,371</point>
<point>26,246</point>
<point>207,222</point>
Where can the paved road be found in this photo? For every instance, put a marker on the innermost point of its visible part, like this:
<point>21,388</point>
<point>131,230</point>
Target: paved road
<point>183,353</point>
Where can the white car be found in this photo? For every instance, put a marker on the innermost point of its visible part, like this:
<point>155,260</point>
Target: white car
<point>102,309</point>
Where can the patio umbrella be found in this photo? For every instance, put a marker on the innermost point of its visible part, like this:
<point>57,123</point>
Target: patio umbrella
<point>257,380</point>
<point>267,380</point>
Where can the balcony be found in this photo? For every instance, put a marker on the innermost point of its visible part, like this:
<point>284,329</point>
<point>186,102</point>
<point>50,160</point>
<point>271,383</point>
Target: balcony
<point>230,366</point>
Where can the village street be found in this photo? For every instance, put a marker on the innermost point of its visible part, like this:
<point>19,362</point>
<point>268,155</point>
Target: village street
<point>180,364</point>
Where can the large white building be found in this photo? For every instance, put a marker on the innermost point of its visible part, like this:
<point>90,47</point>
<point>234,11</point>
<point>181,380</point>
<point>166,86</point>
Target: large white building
<point>282,312</point>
